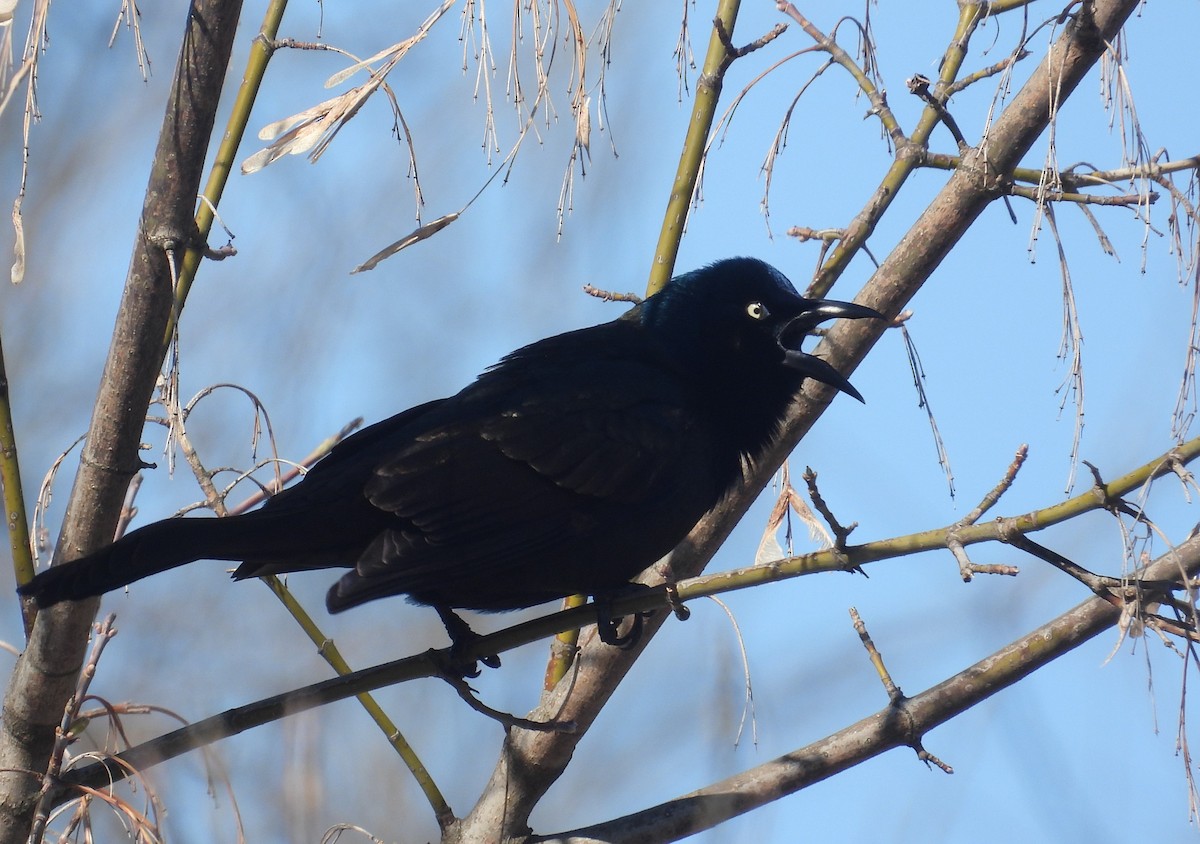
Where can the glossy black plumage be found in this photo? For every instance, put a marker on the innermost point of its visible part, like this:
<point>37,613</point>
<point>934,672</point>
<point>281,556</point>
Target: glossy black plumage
<point>567,468</point>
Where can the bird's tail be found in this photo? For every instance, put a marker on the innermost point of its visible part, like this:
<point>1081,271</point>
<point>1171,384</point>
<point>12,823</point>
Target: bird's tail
<point>149,550</point>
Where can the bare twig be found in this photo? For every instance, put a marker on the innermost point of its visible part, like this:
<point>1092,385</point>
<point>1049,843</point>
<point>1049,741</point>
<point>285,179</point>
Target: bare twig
<point>919,379</point>
<point>748,697</point>
<point>892,727</point>
<point>1001,66</point>
<point>65,734</point>
<point>919,86</point>
<point>610,296</point>
<point>968,569</point>
<point>687,176</point>
<point>1124,200</point>
<point>733,52</point>
<point>505,719</point>
<point>893,691</point>
<point>993,496</point>
<point>841,533</point>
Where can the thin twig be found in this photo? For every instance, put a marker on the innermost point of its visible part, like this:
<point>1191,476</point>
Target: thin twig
<point>893,691</point>
<point>505,719</point>
<point>919,379</point>
<point>841,533</point>
<point>687,175</point>
<point>993,496</point>
<point>986,72</point>
<point>919,86</point>
<point>65,734</point>
<point>610,296</point>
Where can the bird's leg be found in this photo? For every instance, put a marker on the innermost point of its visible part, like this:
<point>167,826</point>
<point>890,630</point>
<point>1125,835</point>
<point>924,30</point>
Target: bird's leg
<point>461,637</point>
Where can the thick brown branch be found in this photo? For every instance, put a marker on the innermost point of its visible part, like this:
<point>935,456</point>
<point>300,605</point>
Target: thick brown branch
<point>45,675</point>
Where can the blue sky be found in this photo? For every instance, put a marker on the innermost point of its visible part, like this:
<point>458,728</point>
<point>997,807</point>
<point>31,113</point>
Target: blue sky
<point>1083,750</point>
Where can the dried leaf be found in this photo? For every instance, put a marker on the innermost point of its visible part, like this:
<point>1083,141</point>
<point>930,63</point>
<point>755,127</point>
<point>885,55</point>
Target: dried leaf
<point>393,53</point>
<point>789,501</point>
<point>308,130</point>
<point>583,125</point>
<point>769,549</point>
<point>817,531</point>
<point>425,231</point>
<point>17,273</point>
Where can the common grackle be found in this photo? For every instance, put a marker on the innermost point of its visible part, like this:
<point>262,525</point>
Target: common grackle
<point>568,467</point>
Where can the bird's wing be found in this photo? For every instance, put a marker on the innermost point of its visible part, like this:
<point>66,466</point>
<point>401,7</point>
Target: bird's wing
<point>559,458</point>
<point>611,436</point>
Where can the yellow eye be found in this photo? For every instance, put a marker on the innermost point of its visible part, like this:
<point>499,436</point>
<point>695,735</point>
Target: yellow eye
<point>757,310</point>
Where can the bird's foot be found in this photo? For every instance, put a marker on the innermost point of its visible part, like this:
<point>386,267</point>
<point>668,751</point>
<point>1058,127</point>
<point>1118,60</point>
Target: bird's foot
<point>462,637</point>
<point>609,628</point>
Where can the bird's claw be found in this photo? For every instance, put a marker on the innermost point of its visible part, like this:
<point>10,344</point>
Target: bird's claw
<point>450,666</point>
<point>462,637</point>
<point>456,663</point>
<point>609,628</point>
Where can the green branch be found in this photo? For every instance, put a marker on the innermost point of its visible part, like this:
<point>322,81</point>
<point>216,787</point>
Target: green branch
<point>256,68</point>
<point>14,496</point>
<point>708,94</point>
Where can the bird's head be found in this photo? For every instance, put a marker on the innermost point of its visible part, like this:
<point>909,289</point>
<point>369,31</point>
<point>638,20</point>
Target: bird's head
<point>743,315</point>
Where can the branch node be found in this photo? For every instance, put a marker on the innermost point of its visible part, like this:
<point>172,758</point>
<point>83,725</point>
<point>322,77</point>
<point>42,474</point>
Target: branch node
<point>968,569</point>
<point>1113,504</point>
<point>681,610</point>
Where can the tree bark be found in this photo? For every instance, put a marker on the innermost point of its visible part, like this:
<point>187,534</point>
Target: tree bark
<point>44,677</point>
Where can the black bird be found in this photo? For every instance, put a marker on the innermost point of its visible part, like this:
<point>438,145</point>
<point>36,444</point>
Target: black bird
<point>568,467</point>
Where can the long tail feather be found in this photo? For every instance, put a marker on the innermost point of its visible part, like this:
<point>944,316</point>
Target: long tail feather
<point>149,550</point>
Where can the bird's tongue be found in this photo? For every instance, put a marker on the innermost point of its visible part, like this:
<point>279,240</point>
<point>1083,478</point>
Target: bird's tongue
<point>794,332</point>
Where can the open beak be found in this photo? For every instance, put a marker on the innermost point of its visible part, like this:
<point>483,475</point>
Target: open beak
<point>792,335</point>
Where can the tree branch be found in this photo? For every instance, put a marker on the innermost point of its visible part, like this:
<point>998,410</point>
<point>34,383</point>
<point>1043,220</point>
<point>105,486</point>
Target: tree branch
<point>900,724</point>
<point>691,159</point>
<point>235,721</point>
<point>44,676</point>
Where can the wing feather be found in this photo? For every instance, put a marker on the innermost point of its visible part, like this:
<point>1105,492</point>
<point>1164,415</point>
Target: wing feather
<point>465,492</point>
